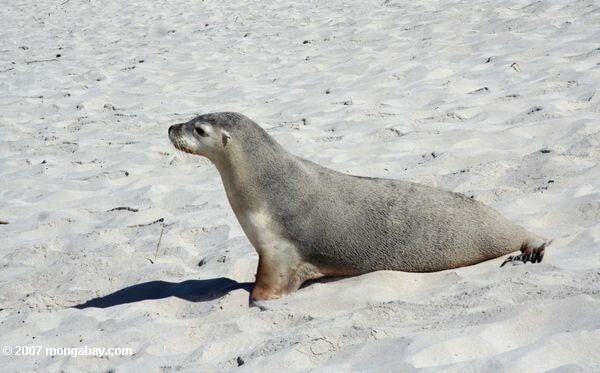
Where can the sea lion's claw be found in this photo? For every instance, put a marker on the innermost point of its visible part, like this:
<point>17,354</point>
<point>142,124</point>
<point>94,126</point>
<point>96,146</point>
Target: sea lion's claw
<point>509,259</point>
<point>534,256</point>
<point>540,255</point>
<point>516,258</point>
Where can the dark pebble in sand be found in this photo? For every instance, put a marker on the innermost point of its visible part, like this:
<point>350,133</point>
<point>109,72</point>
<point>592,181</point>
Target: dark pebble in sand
<point>223,259</point>
<point>535,109</point>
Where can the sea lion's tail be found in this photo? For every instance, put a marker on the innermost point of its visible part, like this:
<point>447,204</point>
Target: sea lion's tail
<point>531,251</point>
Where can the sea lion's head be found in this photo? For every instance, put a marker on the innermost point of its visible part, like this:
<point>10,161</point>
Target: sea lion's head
<point>223,138</point>
<point>205,135</point>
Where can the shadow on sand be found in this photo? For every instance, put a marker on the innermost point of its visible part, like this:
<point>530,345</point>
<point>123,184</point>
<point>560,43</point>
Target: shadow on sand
<point>190,290</point>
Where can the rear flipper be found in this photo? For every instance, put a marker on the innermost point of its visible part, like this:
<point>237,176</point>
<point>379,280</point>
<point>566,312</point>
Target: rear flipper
<point>528,254</point>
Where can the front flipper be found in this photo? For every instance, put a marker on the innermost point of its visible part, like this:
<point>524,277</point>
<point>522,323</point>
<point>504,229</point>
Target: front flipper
<point>281,273</point>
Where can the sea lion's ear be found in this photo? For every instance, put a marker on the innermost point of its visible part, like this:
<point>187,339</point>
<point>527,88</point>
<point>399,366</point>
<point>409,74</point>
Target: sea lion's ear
<point>224,137</point>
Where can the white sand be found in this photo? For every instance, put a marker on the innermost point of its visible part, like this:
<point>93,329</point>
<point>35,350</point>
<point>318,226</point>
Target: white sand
<point>88,132</point>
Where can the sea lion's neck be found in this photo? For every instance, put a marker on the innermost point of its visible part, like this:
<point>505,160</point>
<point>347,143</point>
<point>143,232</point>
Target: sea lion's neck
<point>252,175</point>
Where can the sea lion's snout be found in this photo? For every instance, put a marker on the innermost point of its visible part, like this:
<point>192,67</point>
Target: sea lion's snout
<point>174,128</point>
<point>178,138</point>
<point>195,137</point>
<point>176,133</point>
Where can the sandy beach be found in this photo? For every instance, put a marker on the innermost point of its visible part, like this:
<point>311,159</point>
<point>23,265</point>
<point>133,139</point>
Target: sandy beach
<point>114,239</point>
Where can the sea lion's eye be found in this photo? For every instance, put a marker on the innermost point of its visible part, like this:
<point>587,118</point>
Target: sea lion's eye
<point>200,131</point>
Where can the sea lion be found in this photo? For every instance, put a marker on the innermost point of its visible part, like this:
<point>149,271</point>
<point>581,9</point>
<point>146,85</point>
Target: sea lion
<point>307,221</point>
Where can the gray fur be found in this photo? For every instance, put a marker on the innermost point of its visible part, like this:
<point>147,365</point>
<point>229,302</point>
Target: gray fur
<point>351,223</point>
